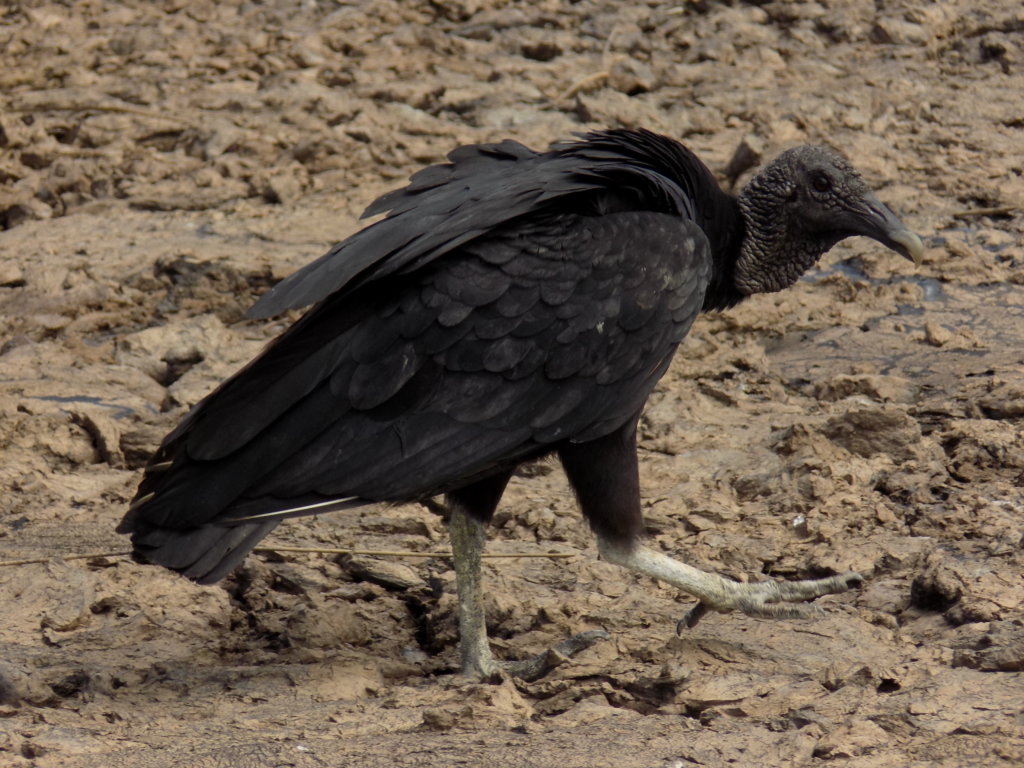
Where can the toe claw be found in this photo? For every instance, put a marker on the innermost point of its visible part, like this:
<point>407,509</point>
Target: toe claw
<point>538,666</point>
<point>852,579</point>
<point>580,642</point>
<point>689,621</point>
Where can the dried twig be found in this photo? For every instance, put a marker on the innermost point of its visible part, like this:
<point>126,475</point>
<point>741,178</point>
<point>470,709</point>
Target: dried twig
<point>35,560</point>
<point>387,553</point>
<point>117,108</point>
<point>998,210</point>
<point>309,550</point>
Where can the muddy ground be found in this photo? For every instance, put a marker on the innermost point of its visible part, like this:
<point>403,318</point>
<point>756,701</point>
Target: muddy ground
<point>161,164</point>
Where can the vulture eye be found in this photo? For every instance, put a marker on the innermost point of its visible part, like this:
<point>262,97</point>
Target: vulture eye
<point>821,182</point>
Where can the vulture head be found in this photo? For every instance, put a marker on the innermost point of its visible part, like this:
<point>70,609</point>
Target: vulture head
<point>800,205</point>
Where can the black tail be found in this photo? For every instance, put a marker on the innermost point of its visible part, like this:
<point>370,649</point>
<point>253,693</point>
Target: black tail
<point>205,554</point>
<point>208,552</point>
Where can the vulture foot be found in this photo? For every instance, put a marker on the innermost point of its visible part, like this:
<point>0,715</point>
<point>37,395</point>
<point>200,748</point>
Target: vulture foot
<point>773,599</point>
<point>769,599</point>
<point>537,666</point>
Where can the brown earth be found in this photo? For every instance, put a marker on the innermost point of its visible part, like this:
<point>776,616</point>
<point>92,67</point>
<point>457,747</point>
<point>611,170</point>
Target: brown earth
<point>162,163</point>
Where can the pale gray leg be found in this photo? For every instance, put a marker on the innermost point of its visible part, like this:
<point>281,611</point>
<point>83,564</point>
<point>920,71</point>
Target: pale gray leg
<point>467,537</point>
<point>766,599</point>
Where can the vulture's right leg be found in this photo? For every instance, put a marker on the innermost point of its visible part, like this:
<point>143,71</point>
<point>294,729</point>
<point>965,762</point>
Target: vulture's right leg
<point>605,476</point>
<point>471,509</point>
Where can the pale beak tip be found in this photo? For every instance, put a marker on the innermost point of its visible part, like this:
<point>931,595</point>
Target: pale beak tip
<point>909,245</point>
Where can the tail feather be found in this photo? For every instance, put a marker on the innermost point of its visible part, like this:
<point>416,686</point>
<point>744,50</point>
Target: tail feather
<point>205,554</point>
<point>230,549</point>
<point>262,510</point>
<point>208,552</point>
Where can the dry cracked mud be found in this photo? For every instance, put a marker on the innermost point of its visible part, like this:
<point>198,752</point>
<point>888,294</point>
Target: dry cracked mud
<point>163,163</point>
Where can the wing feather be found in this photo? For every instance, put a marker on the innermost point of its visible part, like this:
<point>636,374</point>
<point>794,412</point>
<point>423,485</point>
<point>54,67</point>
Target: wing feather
<point>486,186</point>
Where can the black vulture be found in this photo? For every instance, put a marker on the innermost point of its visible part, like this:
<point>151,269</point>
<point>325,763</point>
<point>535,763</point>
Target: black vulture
<point>511,304</point>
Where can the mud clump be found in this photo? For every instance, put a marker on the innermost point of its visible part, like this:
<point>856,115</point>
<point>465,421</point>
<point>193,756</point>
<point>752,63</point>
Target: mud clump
<point>868,432</point>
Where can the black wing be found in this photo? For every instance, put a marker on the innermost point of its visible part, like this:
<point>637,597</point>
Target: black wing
<point>484,187</point>
<point>552,328</point>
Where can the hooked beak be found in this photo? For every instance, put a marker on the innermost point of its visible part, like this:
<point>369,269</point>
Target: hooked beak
<point>877,221</point>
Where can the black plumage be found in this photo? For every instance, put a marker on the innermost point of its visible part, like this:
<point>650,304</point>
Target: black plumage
<point>511,304</point>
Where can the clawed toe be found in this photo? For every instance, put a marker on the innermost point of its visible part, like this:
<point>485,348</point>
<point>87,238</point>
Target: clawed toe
<point>755,607</point>
<point>792,591</point>
<point>690,619</point>
<point>774,599</point>
<point>535,668</point>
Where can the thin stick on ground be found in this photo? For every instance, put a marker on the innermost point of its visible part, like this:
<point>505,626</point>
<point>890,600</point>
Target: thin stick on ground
<point>311,551</point>
<point>396,553</point>
<point>997,210</point>
<point>115,108</point>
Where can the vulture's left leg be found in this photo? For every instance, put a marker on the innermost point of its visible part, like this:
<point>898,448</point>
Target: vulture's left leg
<point>605,476</point>
<point>471,510</point>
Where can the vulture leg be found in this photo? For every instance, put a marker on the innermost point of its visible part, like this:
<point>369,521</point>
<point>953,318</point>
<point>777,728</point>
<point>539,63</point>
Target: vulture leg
<point>766,599</point>
<point>605,476</point>
<point>467,535</point>
<point>471,509</point>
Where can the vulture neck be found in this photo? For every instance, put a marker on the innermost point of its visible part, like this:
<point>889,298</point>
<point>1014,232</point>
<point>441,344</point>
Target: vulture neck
<point>771,256</point>
<point>728,235</point>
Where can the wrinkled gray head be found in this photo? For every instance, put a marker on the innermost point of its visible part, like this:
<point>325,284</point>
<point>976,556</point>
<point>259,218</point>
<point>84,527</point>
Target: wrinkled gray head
<point>800,205</point>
